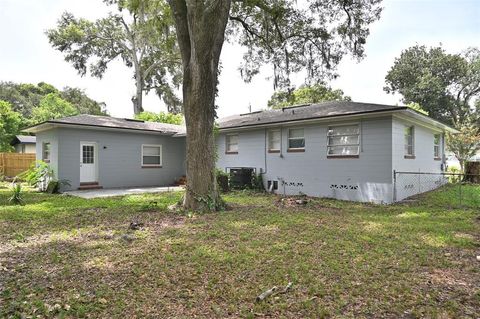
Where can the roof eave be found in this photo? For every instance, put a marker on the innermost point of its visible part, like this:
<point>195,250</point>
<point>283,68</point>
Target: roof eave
<point>48,125</point>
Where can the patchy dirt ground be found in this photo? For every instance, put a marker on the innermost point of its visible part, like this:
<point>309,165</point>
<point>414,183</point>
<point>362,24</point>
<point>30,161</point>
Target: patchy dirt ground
<point>69,257</point>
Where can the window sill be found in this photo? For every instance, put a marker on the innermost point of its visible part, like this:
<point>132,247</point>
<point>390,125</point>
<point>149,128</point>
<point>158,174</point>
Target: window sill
<point>343,156</point>
<point>296,150</point>
<point>409,157</point>
<point>151,166</point>
<point>46,160</point>
<point>231,153</point>
<point>274,151</point>
<point>437,159</point>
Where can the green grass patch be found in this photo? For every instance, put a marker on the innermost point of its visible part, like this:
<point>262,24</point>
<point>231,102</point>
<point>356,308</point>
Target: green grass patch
<point>63,256</point>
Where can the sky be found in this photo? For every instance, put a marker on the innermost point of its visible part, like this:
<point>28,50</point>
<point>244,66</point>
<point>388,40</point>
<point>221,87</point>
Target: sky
<point>27,57</point>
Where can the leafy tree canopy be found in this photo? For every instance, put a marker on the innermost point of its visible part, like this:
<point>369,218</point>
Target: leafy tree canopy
<point>161,117</point>
<point>306,94</point>
<point>417,107</point>
<point>140,33</point>
<point>10,122</point>
<point>52,106</point>
<point>25,97</point>
<point>445,85</point>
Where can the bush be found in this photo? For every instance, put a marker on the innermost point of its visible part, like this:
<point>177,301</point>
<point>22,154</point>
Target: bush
<point>222,180</point>
<point>38,173</point>
<point>257,182</point>
<point>54,186</point>
<point>17,195</point>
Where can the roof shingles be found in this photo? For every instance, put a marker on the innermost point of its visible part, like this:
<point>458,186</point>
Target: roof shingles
<point>304,112</point>
<point>113,122</point>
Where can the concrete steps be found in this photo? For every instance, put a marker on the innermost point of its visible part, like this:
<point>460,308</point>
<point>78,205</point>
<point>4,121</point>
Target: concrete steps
<point>91,185</point>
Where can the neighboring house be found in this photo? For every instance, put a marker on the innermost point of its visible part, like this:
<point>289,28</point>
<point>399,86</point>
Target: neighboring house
<point>24,144</point>
<point>98,151</point>
<point>452,161</point>
<point>342,150</point>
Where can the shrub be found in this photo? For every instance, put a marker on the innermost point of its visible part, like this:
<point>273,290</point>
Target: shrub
<point>17,195</point>
<point>39,172</point>
<point>54,186</point>
<point>257,182</point>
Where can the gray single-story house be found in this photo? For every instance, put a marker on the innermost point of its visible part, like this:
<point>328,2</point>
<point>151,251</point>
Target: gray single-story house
<point>24,144</point>
<point>344,150</point>
<point>99,151</point>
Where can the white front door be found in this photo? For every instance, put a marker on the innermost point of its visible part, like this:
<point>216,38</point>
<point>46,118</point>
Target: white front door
<point>88,162</point>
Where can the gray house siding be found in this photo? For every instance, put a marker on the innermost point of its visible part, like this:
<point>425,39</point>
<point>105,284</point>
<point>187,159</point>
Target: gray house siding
<point>119,156</point>
<point>424,161</point>
<point>51,137</point>
<point>367,178</point>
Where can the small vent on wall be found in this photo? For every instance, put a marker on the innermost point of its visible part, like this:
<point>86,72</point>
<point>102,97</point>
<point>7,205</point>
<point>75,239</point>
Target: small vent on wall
<point>344,187</point>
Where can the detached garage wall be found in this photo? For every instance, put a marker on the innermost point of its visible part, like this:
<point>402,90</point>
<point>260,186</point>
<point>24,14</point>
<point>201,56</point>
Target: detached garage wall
<point>119,157</point>
<point>367,178</point>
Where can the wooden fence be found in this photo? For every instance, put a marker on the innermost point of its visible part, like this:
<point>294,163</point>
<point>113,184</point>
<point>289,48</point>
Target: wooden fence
<point>12,164</point>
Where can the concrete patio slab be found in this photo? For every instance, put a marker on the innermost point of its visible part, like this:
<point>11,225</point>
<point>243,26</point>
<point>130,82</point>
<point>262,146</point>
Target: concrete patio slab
<point>110,192</point>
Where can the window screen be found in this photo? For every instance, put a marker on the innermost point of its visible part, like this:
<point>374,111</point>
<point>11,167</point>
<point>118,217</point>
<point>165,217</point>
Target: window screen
<point>343,140</point>
<point>296,138</point>
<point>152,155</point>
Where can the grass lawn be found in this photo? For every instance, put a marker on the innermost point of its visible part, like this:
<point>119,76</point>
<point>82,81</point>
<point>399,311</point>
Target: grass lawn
<point>68,257</point>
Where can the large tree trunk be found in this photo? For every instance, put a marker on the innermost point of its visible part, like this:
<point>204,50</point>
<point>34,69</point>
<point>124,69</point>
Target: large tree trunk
<point>200,29</point>
<point>137,100</point>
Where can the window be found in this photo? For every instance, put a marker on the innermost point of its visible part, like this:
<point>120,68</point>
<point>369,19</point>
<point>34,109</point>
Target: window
<point>151,155</point>
<point>232,144</point>
<point>436,146</point>
<point>88,154</point>
<point>46,152</point>
<point>409,142</point>
<point>274,141</point>
<point>343,140</point>
<point>296,139</point>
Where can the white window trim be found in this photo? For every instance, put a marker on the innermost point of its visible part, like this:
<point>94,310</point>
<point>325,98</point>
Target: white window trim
<point>413,141</point>
<point>46,160</point>
<point>269,132</point>
<point>227,144</point>
<point>295,138</point>
<point>161,155</point>
<point>439,155</point>
<point>333,145</point>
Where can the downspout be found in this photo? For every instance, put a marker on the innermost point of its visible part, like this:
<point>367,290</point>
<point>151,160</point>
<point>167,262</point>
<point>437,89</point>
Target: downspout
<point>265,152</point>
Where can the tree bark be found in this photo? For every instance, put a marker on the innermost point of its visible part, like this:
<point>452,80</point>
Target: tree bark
<point>137,100</point>
<point>200,29</point>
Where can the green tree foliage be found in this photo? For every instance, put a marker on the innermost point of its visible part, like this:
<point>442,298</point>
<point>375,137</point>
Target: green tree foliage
<point>52,106</point>
<point>444,84</point>
<point>161,117</point>
<point>24,97</point>
<point>140,33</point>
<point>305,95</point>
<point>417,107</point>
<point>290,35</point>
<point>447,86</point>
<point>82,102</point>
<point>10,122</point>
<point>464,144</point>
